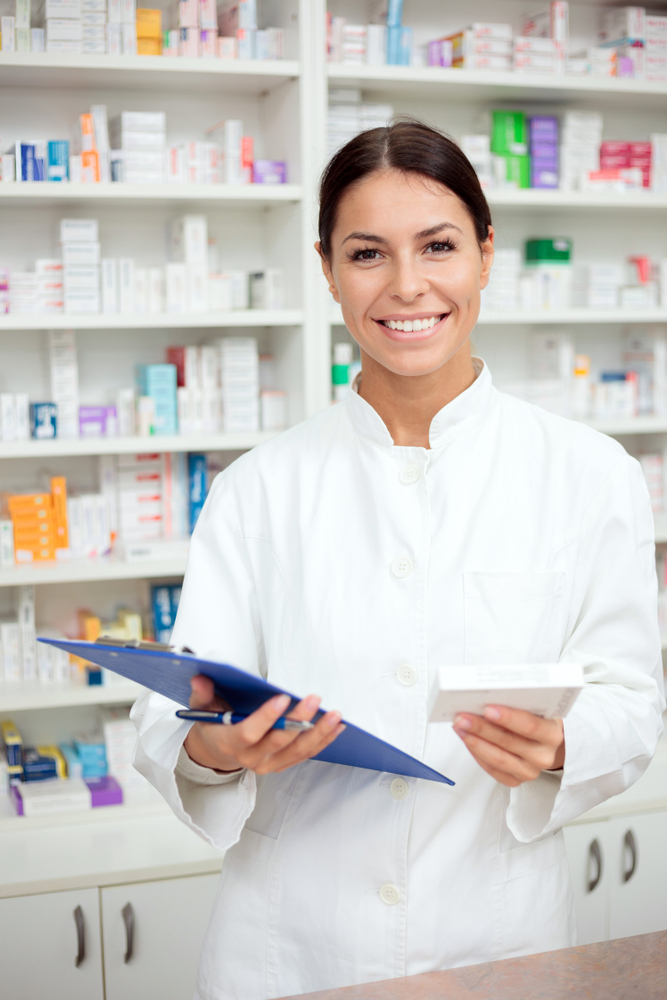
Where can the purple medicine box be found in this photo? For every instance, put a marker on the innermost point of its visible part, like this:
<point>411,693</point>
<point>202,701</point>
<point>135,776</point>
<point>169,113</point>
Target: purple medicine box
<point>104,791</point>
<point>440,52</point>
<point>269,172</point>
<point>543,128</point>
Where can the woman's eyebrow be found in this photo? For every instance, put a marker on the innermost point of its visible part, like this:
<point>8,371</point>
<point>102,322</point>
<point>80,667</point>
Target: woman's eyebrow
<point>434,230</point>
<point>422,235</point>
<point>365,236</point>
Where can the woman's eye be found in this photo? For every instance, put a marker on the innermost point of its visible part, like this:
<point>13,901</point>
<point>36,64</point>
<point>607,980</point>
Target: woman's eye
<point>440,247</point>
<point>365,255</point>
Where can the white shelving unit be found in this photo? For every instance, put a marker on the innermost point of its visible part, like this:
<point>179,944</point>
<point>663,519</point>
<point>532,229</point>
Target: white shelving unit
<point>284,106</point>
<point>153,321</point>
<point>22,697</point>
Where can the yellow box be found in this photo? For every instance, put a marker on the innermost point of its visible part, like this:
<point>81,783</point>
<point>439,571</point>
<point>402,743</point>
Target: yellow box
<point>149,46</point>
<point>54,752</point>
<point>149,23</point>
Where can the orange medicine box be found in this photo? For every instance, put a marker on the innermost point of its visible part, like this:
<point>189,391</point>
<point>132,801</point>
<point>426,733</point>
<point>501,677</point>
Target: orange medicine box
<point>90,166</point>
<point>87,132</point>
<point>25,502</point>
<point>149,47</point>
<point>149,23</point>
<point>26,554</point>
<point>31,538</point>
<point>59,493</point>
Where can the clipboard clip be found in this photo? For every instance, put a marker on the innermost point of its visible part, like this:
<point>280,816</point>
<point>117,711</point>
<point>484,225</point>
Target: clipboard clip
<point>159,647</point>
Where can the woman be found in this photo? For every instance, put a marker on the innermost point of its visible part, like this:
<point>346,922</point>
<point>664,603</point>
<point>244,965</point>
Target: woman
<point>428,520</point>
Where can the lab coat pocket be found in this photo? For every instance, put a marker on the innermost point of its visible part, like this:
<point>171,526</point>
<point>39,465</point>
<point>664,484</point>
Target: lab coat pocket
<point>513,617</point>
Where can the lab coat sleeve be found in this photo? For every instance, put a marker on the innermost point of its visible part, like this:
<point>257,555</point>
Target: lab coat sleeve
<point>613,728</point>
<point>218,618</point>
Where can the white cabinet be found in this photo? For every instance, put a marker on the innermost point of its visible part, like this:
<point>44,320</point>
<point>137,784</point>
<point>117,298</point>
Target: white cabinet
<point>153,933</point>
<point>50,947</point>
<point>638,874</point>
<point>619,875</point>
<point>588,852</point>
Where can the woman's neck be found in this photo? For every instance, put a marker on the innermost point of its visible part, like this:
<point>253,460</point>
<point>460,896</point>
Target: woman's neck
<point>407,404</point>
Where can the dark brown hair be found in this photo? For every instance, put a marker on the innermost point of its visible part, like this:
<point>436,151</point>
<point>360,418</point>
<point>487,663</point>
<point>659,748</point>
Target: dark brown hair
<point>412,147</point>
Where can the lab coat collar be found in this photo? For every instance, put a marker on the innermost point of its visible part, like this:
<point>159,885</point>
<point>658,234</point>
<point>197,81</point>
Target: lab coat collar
<point>460,415</point>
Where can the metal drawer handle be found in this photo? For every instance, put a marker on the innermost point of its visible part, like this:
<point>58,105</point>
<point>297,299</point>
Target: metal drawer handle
<point>128,919</point>
<point>629,843</point>
<point>594,854</point>
<point>80,937</point>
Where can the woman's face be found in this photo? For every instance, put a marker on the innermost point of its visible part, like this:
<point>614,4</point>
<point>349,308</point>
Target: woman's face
<point>407,270</point>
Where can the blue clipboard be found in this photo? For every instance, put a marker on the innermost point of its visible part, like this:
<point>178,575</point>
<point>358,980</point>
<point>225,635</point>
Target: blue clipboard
<point>169,671</point>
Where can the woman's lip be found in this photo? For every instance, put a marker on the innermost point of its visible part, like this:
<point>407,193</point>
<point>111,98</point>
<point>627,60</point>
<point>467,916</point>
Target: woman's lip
<point>404,336</point>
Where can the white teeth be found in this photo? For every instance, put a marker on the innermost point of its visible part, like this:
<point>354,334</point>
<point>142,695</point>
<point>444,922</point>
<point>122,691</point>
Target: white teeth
<point>411,325</point>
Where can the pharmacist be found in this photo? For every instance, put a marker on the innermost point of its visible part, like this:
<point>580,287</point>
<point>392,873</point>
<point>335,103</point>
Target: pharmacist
<point>426,520</point>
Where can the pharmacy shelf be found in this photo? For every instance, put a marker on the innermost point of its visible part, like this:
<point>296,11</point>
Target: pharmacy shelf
<point>513,317</point>
<point>22,696</point>
<point>152,321</point>
<point>661,531</point>
<point>51,69</point>
<point>525,317</point>
<point>529,198</point>
<point>132,445</point>
<point>433,82</point>
<point>632,425</point>
<point>243,195</point>
<point>89,570</point>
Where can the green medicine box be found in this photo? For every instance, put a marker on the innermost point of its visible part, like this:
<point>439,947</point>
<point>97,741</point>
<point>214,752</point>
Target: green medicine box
<point>517,169</point>
<point>509,133</point>
<point>555,251</point>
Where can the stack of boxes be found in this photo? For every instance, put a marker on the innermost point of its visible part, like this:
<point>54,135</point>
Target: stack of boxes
<point>120,738</point>
<point>656,47</point>
<point>89,526</point>
<point>509,144</point>
<point>580,147</point>
<point>239,380</point>
<point>348,115</point>
<point>502,291</point>
<point>187,274</point>
<point>198,393</point>
<point>547,283</point>
<point>158,384</point>
<point>616,156</point>
<point>64,381</point>
<point>483,45</point>
<point>139,497</point>
<point>149,32</point>
<point>624,32</point>
<point>385,40</point>
<point>64,29</point>
<point>14,416</point>
<point>138,141</point>
<point>543,142</point>
<point>80,248</point>
<point>93,27</point>
<point>39,523</point>
<point>597,286</point>
<point>542,47</point>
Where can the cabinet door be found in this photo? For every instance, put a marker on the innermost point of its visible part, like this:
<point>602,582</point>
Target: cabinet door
<point>50,946</point>
<point>638,874</point>
<point>586,845</point>
<point>153,933</point>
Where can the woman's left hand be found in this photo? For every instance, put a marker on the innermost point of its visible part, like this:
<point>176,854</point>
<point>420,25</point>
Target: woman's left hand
<point>512,746</point>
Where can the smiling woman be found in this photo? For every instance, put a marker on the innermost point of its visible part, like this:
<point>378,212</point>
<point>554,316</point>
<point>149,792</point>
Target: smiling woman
<point>407,245</point>
<point>428,520</point>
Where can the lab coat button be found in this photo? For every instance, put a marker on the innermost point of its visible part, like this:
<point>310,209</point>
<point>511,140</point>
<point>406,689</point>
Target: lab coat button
<point>401,567</point>
<point>399,788</point>
<point>389,894</point>
<point>409,475</point>
<point>407,675</point>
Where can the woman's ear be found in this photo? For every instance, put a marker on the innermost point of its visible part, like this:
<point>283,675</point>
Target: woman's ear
<point>487,258</point>
<point>328,273</point>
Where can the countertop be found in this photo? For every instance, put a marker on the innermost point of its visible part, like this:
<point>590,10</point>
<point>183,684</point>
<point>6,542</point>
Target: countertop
<point>632,968</point>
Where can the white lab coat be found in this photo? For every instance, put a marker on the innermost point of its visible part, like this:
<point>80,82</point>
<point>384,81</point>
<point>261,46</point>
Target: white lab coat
<point>527,538</point>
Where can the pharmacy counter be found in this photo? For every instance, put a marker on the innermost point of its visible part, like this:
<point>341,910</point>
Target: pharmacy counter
<point>102,847</point>
<point>614,970</point>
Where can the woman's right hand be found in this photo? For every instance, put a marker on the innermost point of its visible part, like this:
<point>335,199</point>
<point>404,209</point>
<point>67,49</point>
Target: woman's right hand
<point>253,744</point>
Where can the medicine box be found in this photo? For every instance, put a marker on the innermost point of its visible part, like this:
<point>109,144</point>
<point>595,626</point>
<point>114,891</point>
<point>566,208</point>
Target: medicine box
<point>545,689</point>
<point>79,231</point>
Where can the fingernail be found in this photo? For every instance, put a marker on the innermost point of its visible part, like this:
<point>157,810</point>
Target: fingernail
<point>312,702</point>
<point>492,713</point>
<point>461,722</point>
<point>334,720</point>
<point>281,702</point>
